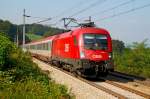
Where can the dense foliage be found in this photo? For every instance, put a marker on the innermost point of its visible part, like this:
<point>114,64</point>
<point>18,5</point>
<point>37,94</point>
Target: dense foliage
<point>21,78</point>
<point>118,46</point>
<point>42,30</point>
<point>135,60</point>
<point>36,29</point>
<point>33,37</point>
<point>8,28</point>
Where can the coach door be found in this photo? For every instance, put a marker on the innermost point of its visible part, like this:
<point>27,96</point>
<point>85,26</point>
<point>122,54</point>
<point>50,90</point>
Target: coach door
<point>50,48</point>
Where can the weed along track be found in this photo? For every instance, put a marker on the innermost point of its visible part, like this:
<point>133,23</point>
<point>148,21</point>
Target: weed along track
<point>87,89</point>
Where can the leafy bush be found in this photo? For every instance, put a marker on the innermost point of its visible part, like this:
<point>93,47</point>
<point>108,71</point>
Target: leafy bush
<point>32,88</point>
<point>21,78</point>
<point>6,47</point>
<point>135,60</point>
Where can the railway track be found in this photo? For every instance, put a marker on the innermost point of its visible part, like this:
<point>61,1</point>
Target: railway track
<point>126,76</point>
<point>119,91</point>
<point>137,79</point>
<point>125,91</point>
<point>92,84</point>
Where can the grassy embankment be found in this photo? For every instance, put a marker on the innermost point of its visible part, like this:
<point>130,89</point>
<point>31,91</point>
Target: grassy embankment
<point>20,77</point>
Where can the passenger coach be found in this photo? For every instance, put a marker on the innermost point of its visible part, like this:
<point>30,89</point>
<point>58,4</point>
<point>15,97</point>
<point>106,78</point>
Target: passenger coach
<point>86,51</point>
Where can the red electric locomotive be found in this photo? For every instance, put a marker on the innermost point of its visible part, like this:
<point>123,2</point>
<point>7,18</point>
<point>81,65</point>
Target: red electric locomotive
<point>86,51</point>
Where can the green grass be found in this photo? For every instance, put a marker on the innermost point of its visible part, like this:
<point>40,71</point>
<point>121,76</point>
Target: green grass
<point>27,81</point>
<point>20,78</point>
<point>32,88</point>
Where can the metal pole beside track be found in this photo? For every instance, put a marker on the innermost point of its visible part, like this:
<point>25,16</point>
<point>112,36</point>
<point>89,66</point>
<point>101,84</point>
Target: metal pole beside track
<point>23,42</point>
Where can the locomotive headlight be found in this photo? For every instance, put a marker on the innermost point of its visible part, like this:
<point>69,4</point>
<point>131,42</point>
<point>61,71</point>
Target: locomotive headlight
<point>110,55</point>
<point>82,55</point>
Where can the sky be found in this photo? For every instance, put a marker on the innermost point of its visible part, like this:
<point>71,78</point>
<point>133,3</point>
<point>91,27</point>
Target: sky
<point>130,27</point>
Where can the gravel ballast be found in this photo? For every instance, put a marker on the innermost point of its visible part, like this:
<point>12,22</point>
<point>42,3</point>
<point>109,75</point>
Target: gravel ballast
<point>80,89</point>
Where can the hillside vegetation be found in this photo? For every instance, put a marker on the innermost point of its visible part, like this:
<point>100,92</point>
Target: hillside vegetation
<point>31,29</point>
<point>20,78</point>
<point>134,59</point>
<point>33,37</point>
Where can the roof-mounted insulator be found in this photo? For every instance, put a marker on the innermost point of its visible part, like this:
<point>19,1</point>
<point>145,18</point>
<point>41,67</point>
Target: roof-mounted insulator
<point>90,24</point>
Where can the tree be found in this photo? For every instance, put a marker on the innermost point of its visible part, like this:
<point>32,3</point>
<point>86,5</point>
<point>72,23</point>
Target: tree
<point>8,28</point>
<point>36,29</point>
<point>118,46</point>
<point>135,59</point>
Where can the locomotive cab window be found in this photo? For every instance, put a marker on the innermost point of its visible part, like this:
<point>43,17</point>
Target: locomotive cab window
<point>95,41</point>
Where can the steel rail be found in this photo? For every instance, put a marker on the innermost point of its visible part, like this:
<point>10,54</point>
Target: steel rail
<point>129,89</point>
<point>89,82</point>
<point>134,78</point>
<point>103,88</point>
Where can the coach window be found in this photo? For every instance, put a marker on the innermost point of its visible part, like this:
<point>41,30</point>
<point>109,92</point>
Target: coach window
<point>43,46</point>
<point>46,46</point>
<point>31,46</point>
<point>34,47</point>
<point>38,47</point>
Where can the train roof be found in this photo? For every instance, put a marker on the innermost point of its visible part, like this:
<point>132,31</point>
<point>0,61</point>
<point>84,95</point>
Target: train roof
<point>92,29</point>
<point>43,39</point>
<point>74,32</point>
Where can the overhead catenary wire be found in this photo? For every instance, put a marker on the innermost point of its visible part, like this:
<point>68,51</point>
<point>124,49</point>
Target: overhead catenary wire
<point>112,8</point>
<point>42,20</point>
<point>85,9</point>
<point>72,8</point>
<point>124,12</point>
<point>60,16</point>
<point>88,7</point>
<point>104,11</point>
<point>65,11</point>
<point>35,17</point>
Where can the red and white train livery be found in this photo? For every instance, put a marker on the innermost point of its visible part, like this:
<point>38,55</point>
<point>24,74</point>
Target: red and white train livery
<point>85,50</point>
